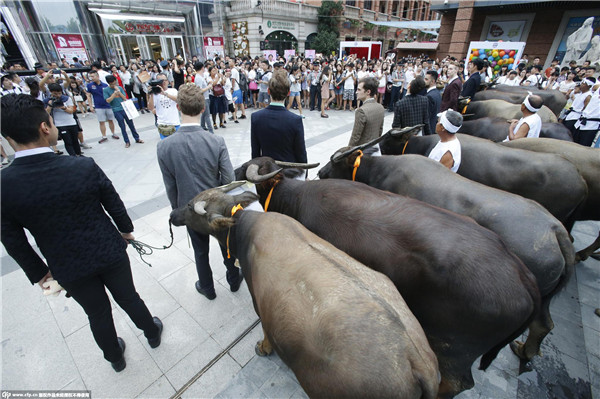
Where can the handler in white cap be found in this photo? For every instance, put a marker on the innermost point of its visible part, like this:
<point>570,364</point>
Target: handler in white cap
<point>530,124</point>
<point>447,150</point>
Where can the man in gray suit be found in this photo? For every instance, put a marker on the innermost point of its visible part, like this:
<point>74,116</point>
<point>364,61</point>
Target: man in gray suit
<point>368,119</point>
<point>192,161</point>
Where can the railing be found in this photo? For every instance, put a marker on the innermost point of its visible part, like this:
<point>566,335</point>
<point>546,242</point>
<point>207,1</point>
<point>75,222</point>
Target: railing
<point>368,15</point>
<point>280,7</point>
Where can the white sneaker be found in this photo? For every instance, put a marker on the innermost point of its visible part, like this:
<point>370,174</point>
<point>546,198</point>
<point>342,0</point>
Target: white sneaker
<point>86,146</point>
<point>4,161</point>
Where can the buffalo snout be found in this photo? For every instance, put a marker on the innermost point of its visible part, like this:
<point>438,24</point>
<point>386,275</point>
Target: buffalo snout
<point>177,217</point>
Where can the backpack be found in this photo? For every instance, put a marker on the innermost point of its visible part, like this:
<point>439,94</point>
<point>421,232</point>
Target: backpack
<point>243,83</point>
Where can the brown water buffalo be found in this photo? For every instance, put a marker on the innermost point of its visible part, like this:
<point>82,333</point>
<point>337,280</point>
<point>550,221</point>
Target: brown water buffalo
<point>553,99</point>
<point>587,161</point>
<point>548,179</point>
<point>504,109</point>
<point>527,229</point>
<point>342,328</point>
<point>496,129</point>
<point>471,295</point>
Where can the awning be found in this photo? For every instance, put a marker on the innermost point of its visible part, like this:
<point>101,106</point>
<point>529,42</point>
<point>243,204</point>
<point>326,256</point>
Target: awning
<point>418,25</point>
<point>417,45</point>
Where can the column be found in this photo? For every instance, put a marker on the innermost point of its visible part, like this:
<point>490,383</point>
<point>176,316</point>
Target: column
<point>459,43</point>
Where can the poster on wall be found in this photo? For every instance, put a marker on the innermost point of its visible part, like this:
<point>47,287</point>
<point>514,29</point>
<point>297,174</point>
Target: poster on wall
<point>498,54</point>
<point>310,54</point>
<point>270,55</point>
<point>505,30</point>
<point>576,40</point>
<point>69,46</point>
<point>213,47</point>
<point>241,45</point>
<point>289,54</point>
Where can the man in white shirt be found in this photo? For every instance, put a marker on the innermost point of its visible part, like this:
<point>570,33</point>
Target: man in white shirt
<point>510,79</point>
<point>8,86</point>
<point>530,124</point>
<point>102,74</point>
<point>238,97</point>
<point>201,81</point>
<point>164,106</point>
<point>447,151</point>
<point>535,79</point>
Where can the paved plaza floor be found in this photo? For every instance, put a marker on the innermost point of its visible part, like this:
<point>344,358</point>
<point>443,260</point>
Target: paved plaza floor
<point>207,346</point>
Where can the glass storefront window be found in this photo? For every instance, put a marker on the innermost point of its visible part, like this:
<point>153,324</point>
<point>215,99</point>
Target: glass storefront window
<point>58,17</point>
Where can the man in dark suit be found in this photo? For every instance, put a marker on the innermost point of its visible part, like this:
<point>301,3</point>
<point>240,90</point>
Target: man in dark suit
<point>276,132</point>
<point>452,90</point>
<point>471,86</point>
<point>191,161</point>
<point>434,98</point>
<point>63,202</point>
<point>412,109</point>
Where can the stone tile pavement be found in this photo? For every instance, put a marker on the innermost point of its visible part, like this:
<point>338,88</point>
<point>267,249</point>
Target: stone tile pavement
<point>207,349</point>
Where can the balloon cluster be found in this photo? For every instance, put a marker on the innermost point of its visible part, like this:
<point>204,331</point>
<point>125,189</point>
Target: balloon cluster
<point>496,58</point>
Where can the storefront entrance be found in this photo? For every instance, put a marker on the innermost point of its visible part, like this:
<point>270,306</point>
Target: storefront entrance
<point>281,40</point>
<point>127,47</point>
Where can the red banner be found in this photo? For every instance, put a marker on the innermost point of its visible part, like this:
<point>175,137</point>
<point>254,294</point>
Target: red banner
<point>70,45</point>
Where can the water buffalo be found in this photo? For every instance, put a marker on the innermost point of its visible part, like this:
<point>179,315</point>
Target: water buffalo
<point>496,129</point>
<point>553,99</point>
<point>342,328</point>
<point>548,179</point>
<point>471,295</point>
<point>587,161</point>
<point>527,229</point>
<point>504,109</point>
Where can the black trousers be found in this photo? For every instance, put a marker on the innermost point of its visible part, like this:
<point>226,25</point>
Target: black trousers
<point>141,100</point>
<point>315,97</point>
<point>584,137</point>
<point>69,135</point>
<point>128,90</point>
<point>90,293</point>
<point>201,244</point>
<point>396,91</point>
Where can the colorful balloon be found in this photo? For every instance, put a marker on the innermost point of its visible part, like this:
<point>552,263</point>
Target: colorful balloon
<point>510,66</point>
<point>482,56</point>
<point>497,68</point>
<point>500,62</point>
<point>494,54</point>
<point>501,53</point>
<point>490,58</point>
<point>476,53</point>
<point>494,63</point>
<point>511,60</point>
<point>505,56</point>
<point>511,53</point>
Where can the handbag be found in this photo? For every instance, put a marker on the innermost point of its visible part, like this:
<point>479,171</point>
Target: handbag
<point>78,98</point>
<point>218,90</point>
<point>252,85</point>
<point>130,109</point>
<point>144,76</point>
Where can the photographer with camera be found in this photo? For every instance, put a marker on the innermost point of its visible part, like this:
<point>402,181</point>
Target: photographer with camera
<point>61,108</point>
<point>163,104</point>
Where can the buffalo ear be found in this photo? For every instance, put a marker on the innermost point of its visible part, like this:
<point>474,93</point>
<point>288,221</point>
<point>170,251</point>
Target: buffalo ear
<point>219,222</point>
<point>351,158</point>
<point>245,198</point>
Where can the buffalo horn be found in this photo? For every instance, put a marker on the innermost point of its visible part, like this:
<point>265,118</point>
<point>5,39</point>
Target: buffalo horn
<point>404,130</point>
<point>297,165</point>
<point>199,207</point>
<point>234,184</point>
<point>253,176</point>
<point>336,158</point>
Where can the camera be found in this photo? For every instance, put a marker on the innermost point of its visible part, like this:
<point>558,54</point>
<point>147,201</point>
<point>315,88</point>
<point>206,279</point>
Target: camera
<point>156,86</point>
<point>58,103</point>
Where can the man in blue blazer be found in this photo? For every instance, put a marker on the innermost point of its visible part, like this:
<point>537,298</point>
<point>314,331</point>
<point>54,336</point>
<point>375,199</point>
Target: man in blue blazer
<point>434,98</point>
<point>65,202</point>
<point>276,132</point>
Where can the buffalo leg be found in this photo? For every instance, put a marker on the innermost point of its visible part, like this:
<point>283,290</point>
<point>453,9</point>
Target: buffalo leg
<point>541,325</point>
<point>263,348</point>
<point>456,376</point>
<point>589,251</point>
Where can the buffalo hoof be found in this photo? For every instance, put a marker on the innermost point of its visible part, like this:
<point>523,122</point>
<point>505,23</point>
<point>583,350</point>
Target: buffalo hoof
<point>518,349</point>
<point>259,351</point>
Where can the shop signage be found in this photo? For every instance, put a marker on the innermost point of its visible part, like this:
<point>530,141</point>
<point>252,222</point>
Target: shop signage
<point>69,46</point>
<point>281,25</point>
<point>213,46</point>
<point>143,27</point>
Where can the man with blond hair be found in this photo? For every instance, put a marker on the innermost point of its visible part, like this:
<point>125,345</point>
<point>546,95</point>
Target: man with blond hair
<point>191,161</point>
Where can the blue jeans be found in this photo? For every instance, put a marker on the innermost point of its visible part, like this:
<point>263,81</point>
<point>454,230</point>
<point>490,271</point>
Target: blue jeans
<point>395,97</point>
<point>121,117</point>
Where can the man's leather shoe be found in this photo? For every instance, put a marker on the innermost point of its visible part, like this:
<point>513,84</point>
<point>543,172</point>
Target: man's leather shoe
<point>155,342</point>
<point>236,286</point>
<point>120,364</point>
<point>210,294</point>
